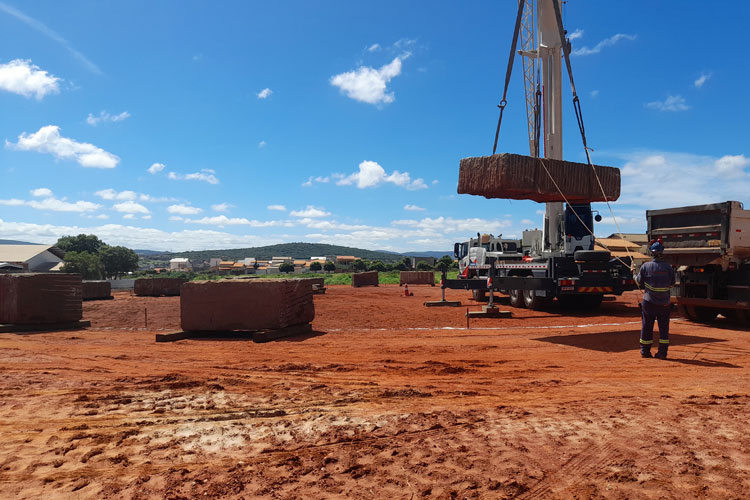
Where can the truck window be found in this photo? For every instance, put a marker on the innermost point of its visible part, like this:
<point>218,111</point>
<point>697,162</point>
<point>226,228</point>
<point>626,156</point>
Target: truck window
<point>573,226</point>
<point>510,247</point>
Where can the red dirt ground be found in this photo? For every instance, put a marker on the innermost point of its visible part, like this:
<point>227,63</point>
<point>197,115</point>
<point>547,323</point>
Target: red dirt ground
<point>385,399</point>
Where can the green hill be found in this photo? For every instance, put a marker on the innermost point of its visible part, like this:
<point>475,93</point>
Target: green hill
<point>295,250</point>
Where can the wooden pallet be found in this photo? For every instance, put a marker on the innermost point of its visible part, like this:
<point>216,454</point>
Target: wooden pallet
<point>259,336</point>
<point>45,327</point>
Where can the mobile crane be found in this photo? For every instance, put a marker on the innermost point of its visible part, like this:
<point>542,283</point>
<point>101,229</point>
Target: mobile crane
<point>559,261</point>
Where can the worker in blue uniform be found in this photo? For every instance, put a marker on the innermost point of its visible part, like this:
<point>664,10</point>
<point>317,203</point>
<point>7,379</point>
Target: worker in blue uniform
<point>657,277</point>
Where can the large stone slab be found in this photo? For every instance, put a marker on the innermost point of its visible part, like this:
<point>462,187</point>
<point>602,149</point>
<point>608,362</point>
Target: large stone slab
<point>40,298</point>
<point>97,290</point>
<point>416,278</point>
<point>521,177</point>
<point>369,278</point>
<point>258,304</point>
<point>156,287</point>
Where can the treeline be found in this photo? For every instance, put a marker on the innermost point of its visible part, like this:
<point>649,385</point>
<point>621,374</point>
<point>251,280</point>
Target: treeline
<point>93,259</point>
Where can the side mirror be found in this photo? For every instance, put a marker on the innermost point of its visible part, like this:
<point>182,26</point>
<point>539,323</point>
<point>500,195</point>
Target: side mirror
<point>598,218</point>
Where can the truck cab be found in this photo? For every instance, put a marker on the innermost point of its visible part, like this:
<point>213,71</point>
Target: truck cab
<point>472,255</point>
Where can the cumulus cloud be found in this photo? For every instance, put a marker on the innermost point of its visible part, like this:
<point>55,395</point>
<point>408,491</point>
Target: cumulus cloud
<point>701,80</point>
<point>21,77</point>
<point>413,208</point>
<point>156,168</point>
<point>223,220</point>
<point>130,207</point>
<point>220,207</point>
<point>48,140</point>
<point>205,175</point>
<point>280,208</point>
<point>50,203</point>
<point>106,117</point>
<point>671,103</point>
<point>607,42</point>
<point>371,174</point>
<point>310,211</point>
<point>183,209</point>
<point>41,192</point>
<point>576,35</point>
<point>111,194</point>
<point>265,93</point>
<point>319,179</point>
<point>370,85</point>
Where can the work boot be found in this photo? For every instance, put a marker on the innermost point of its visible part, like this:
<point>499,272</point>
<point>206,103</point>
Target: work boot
<point>661,354</point>
<point>645,352</point>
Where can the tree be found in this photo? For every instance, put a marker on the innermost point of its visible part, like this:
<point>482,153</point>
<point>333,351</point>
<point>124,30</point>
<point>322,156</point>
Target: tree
<point>358,265</point>
<point>444,263</point>
<point>377,266</point>
<point>118,260</point>
<point>407,262</point>
<point>286,268</point>
<point>88,265</point>
<point>401,266</point>
<point>329,267</point>
<point>82,243</point>
<point>315,266</point>
<point>424,266</point>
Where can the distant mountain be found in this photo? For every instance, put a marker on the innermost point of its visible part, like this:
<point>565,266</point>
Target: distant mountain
<point>437,255</point>
<point>16,242</point>
<point>296,250</point>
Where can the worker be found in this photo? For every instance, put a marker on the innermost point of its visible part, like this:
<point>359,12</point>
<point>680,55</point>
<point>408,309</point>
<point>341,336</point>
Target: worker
<point>657,277</point>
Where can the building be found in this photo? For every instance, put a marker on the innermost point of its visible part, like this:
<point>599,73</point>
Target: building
<point>180,264</point>
<point>31,258</point>
<point>344,262</point>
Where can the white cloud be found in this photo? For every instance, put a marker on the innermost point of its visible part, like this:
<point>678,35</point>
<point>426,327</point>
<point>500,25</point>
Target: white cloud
<point>310,211</point>
<point>607,42</point>
<point>130,207</point>
<point>576,35</point>
<point>205,175</point>
<point>594,93</point>
<point>21,77</point>
<point>221,207</point>
<point>702,80</point>
<point>265,93</point>
<point>128,216</point>
<point>156,167</point>
<point>223,220</point>
<point>527,222</point>
<point>176,218</point>
<point>374,47</point>
<point>671,103</point>
<point>280,208</point>
<point>106,117</point>
<point>42,28</point>
<point>41,192</point>
<point>370,85</point>
<point>183,209</point>
<point>318,179</point>
<point>48,140</point>
<point>111,194</point>
<point>146,217</point>
<point>413,208</point>
<point>261,144</point>
<point>371,174</point>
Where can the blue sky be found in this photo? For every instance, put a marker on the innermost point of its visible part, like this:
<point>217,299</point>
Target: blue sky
<point>182,125</point>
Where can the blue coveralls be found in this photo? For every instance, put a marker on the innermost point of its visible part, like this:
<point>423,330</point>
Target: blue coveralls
<point>656,277</point>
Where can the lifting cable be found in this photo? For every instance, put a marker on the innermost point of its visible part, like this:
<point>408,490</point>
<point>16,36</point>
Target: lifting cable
<point>582,129</point>
<point>508,72</point>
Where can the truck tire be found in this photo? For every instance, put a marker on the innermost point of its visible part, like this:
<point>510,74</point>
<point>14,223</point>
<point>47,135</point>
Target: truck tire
<point>592,256</point>
<point>702,314</point>
<point>592,302</point>
<point>685,312</point>
<point>516,298</point>
<point>533,301</point>
<point>479,295</point>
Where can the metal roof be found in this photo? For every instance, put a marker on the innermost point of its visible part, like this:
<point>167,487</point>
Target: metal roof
<point>24,253</point>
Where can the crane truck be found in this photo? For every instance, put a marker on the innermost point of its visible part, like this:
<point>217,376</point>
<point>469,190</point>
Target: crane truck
<point>560,260</point>
<point>709,246</point>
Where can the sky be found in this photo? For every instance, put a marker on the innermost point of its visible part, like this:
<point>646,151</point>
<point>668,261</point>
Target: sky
<point>186,125</point>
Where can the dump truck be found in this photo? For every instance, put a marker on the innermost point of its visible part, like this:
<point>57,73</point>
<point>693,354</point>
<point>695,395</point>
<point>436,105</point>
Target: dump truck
<point>709,247</point>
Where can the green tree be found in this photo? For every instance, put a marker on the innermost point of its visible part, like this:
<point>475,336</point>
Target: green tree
<point>118,260</point>
<point>329,267</point>
<point>88,265</point>
<point>286,268</point>
<point>377,266</point>
<point>316,266</point>
<point>358,265</point>
<point>424,266</point>
<point>444,264</point>
<point>407,263</point>
<point>82,243</point>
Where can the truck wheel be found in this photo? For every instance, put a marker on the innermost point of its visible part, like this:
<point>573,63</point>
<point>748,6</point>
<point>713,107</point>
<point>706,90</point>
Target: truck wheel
<point>592,256</point>
<point>479,295</point>
<point>592,302</point>
<point>533,301</point>
<point>703,314</point>
<point>516,298</point>
<point>685,312</point>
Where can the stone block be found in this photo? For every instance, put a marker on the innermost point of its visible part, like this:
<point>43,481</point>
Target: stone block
<point>156,287</point>
<point>40,298</point>
<point>416,278</point>
<point>97,290</point>
<point>370,278</point>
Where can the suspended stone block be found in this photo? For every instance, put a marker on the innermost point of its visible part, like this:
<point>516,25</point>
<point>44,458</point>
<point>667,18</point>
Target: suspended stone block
<point>520,177</point>
<point>36,298</point>
<point>246,305</point>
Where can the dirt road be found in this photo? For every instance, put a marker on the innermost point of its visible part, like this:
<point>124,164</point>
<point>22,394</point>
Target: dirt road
<point>385,399</point>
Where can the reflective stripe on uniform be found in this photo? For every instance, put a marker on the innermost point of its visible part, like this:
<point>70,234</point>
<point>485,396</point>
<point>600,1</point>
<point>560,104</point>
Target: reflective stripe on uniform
<point>647,342</point>
<point>655,289</point>
<point>664,341</point>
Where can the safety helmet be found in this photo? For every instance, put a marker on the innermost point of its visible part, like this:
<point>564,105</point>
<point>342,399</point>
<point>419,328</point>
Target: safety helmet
<point>656,247</point>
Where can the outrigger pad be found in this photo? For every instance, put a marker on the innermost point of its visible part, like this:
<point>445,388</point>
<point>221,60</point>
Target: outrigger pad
<point>520,177</point>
